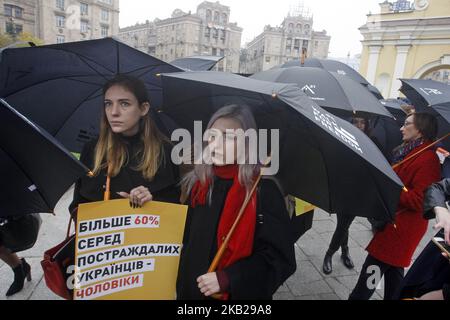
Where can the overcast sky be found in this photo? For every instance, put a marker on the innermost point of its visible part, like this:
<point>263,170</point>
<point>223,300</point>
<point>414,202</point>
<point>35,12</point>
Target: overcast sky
<point>341,18</point>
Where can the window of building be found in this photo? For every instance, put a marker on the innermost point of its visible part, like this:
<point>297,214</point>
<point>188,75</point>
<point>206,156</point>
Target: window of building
<point>84,26</point>
<point>60,39</point>
<point>13,29</point>
<point>216,16</point>
<point>106,1</point>
<point>208,15</point>
<point>222,52</point>
<point>224,18</point>
<point>105,15</point>
<point>60,4</point>
<point>299,26</point>
<point>84,9</point>
<point>215,33</point>
<point>104,31</point>
<point>13,11</point>
<point>214,51</point>
<point>297,43</point>
<point>60,21</point>
<point>207,32</point>
<point>305,44</point>
<point>267,58</point>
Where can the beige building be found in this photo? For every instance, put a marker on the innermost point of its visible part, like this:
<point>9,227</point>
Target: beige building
<point>141,36</point>
<point>277,45</point>
<point>58,21</point>
<point>407,39</point>
<point>17,16</point>
<point>206,32</point>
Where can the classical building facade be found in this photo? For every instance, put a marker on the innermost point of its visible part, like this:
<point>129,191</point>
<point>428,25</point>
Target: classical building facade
<point>206,32</point>
<point>141,36</point>
<point>407,39</point>
<point>58,21</point>
<point>277,45</point>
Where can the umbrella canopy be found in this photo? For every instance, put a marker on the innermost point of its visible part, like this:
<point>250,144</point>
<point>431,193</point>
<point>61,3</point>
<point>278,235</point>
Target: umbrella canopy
<point>337,93</point>
<point>35,169</point>
<point>59,87</point>
<point>329,65</point>
<point>394,106</point>
<point>433,97</point>
<point>374,90</point>
<point>323,159</point>
<point>428,95</point>
<point>197,63</point>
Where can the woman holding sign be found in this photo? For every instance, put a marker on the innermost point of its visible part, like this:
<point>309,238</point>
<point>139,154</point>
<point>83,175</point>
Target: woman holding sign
<point>130,150</point>
<point>260,255</point>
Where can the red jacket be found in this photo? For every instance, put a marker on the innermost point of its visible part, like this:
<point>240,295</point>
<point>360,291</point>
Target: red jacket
<point>395,245</point>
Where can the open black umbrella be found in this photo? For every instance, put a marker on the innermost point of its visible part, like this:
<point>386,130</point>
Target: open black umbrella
<point>323,159</point>
<point>428,96</point>
<point>197,63</point>
<point>59,87</point>
<point>336,93</point>
<point>329,65</point>
<point>35,169</point>
<point>433,97</point>
<point>374,90</point>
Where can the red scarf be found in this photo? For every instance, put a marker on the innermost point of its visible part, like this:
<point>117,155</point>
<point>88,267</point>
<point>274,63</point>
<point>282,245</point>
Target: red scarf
<point>241,243</point>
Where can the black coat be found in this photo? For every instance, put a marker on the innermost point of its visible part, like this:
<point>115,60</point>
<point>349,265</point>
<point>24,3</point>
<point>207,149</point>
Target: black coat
<point>436,196</point>
<point>255,277</point>
<point>163,187</point>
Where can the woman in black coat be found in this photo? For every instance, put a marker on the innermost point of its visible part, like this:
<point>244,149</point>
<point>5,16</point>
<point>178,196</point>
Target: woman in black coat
<point>429,276</point>
<point>260,255</point>
<point>130,149</point>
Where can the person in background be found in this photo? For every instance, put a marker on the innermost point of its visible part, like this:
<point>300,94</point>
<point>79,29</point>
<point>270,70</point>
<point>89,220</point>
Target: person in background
<point>391,249</point>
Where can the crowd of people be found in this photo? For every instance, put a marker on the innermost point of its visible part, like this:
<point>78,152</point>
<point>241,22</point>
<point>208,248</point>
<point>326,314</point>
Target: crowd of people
<point>260,256</point>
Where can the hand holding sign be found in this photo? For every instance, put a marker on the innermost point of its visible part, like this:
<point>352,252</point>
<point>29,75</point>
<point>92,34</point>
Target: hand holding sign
<point>138,196</point>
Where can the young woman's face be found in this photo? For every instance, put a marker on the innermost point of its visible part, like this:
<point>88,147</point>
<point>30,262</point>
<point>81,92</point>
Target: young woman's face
<point>224,149</point>
<point>123,111</point>
<point>409,130</point>
<point>360,123</point>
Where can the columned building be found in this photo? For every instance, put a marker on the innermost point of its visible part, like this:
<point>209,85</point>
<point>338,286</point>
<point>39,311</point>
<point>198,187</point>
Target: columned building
<point>407,39</point>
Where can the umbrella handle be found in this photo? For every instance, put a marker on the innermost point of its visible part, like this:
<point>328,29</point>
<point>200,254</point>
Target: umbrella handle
<point>107,194</point>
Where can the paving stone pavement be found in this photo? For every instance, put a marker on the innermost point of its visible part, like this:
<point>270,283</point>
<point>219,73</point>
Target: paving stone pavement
<point>308,282</point>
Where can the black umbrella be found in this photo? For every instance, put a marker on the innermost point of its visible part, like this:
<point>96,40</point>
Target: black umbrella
<point>35,169</point>
<point>337,93</point>
<point>374,90</point>
<point>428,95</point>
<point>323,159</point>
<point>59,87</point>
<point>329,65</point>
<point>197,63</point>
<point>394,106</point>
<point>433,97</point>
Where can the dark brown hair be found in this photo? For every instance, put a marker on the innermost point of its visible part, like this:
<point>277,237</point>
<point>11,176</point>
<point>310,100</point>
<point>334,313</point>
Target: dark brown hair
<point>426,124</point>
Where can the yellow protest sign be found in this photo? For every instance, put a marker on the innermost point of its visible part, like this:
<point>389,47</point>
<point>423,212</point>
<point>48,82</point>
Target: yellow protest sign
<point>128,254</point>
<point>302,207</point>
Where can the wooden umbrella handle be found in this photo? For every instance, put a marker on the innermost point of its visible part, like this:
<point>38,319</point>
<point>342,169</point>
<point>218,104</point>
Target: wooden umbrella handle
<point>107,194</point>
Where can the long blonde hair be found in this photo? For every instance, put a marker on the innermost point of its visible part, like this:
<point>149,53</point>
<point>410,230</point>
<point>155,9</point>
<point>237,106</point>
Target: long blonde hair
<point>111,151</point>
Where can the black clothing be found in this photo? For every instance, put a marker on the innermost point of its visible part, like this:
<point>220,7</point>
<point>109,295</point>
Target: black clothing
<point>436,196</point>
<point>393,277</point>
<point>162,187</point>
<point>255,277</point>
<point>20,233</point>
<point>340,236</point>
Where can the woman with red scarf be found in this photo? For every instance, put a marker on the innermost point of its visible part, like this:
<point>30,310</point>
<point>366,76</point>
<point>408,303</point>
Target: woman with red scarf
<point>260,255</point>
<point>391,249</point>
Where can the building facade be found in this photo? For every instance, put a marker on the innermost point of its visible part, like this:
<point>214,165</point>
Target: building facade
<point>206,32</point>
<point>141,36</point>
<point>407,39</point>
<point>58,21</point>
<point>277,45</point>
